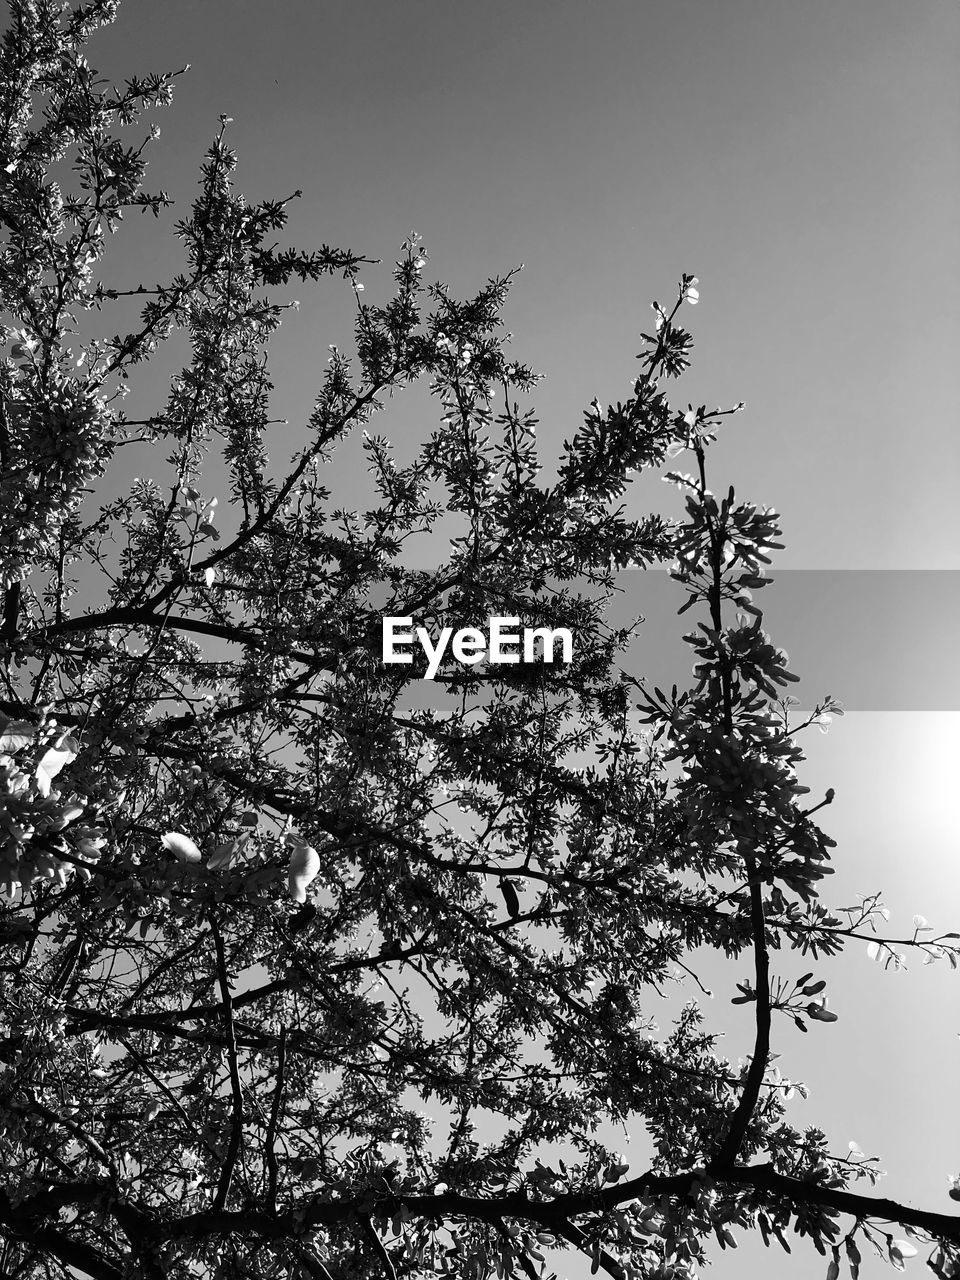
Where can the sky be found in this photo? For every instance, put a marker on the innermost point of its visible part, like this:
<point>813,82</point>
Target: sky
<point>802,160</point>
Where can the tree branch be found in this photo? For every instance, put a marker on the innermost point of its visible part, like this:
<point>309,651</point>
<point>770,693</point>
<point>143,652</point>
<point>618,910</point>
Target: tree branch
<point>730,1147</point>
<point>377,1245</point>
<point>72,1253</point>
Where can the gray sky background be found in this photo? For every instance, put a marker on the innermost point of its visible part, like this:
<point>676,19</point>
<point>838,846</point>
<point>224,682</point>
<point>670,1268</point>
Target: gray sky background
<point>801,159</point>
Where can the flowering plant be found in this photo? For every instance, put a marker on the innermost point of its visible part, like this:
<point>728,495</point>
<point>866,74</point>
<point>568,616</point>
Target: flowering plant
<point>300,977</point>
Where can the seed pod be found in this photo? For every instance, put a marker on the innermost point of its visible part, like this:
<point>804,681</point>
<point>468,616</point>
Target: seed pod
<point>510,898</point>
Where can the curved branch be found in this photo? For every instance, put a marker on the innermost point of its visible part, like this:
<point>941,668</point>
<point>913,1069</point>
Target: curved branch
<point>557,1213</point>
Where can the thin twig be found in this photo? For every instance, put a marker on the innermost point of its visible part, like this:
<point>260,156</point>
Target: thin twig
<point>236,1125</point>
<point>270,1154</point>
<point>166,1091</point>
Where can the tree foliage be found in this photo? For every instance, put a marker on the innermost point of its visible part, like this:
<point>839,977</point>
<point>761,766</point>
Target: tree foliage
<point>298,976</point>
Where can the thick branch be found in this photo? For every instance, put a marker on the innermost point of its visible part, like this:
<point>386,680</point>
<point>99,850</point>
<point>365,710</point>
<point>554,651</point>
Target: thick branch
<point>558,1214</point>
<point>562,1210</point>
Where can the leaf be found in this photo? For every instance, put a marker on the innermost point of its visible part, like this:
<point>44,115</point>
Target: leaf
<point>873,950</point>
<point>813,988</point>
<point>936,1266</point>
<point>16,735</point>
<point>302,919</point>
<point>780,1236</point>
<point>181,846</point>
<point>53,761</point>
<point>222,856</point>
<point>69,813</point>
<point>853,1253</point>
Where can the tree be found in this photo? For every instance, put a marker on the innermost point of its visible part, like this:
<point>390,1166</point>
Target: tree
<point>300,979</point>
